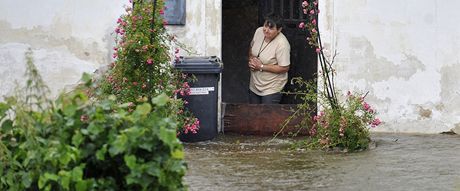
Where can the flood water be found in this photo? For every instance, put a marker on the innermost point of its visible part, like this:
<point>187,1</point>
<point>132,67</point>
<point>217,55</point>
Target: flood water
<point>397,162</point>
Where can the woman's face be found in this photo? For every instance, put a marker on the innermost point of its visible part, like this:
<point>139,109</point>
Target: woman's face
<point>270,33</point>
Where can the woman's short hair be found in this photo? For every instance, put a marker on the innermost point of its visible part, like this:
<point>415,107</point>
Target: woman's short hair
<point>274,20</point>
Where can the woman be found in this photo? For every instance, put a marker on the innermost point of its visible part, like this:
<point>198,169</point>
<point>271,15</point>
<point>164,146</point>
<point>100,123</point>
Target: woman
<point>269,60</point>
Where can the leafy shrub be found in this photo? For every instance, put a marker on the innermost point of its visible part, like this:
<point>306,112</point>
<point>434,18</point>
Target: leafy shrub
<point>74,143</point>
<point>339,124</point>
<point>142,66</point>
<point>345,127</point>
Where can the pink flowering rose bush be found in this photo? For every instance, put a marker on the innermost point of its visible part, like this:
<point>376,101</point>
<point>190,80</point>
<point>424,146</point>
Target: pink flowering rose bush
<point>330,121</point>
<point>142,66</point>
<point>345,127</point>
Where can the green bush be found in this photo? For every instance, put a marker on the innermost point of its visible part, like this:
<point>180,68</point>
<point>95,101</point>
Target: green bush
<point>74,143</point>
<point>143,62</point>
<point>339,124</point>
<point>345,126</point>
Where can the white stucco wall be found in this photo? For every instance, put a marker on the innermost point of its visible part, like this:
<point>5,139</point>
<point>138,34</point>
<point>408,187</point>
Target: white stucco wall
<point>405,53</point>
<point>67,37</point>
<point>72,37</point>
<point>202,33</point>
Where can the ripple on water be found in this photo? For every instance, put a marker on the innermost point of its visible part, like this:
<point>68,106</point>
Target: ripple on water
<point>398,162</point>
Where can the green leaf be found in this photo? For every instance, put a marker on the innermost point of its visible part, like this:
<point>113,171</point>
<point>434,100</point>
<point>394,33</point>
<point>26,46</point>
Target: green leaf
<point>26,180</point>
<point>7,125</point>
<point>86,78</point>
<point>44,178</point>
<point>95,129</point>
<point>81,185</point>
<point>77,173</point>
<point>154,169</point>
<point>100,154</point>
<point>69,110</point>
<point>50,176</point>
<point>65,182</point>
<point>119,145</point>
<point>3,108</point>
<point>168,136</point>
<point>65,158</point>
<point>130,161</point>
<point>143,109</point>
<point>160,100</point>
<point>177,154</point>
<point>77,138</point>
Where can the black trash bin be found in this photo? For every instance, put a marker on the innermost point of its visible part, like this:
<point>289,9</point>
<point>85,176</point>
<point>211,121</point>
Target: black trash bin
<point>203,99</point>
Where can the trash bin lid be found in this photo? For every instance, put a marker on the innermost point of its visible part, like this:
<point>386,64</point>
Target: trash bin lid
<point>205,64</point>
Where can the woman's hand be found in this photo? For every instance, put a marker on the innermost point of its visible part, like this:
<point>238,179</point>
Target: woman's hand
<point>255,64</point>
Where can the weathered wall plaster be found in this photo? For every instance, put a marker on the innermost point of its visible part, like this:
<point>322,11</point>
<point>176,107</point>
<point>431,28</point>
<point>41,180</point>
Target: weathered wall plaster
<point>72,37</point>
<point>67,37</point>
<point>202,33</point>
<point>405,53</point>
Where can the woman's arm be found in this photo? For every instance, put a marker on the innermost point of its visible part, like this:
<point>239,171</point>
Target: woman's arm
<point>256,64</point>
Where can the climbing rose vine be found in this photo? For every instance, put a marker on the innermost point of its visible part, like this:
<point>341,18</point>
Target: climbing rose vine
<point>331,122</point>
<point>143,57</point>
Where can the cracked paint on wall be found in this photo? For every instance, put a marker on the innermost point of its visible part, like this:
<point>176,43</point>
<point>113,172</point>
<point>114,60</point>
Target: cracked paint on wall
<point>64,36</point>
<point>202,33</point>
<point>399,56</point>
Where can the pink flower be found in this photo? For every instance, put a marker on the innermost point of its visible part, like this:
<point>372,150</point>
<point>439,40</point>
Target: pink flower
<point>312,12</point>
<point>305,11</point>
<point>313,22</point>
<point>316,118</point>
<point>313,31</point>
<point>302,25</point>
<point>191,127</point>
<point>131,104</point>
<point>304,4</point>
<point>162,12</point>
<point>149,61</point>
<point>313,130</point>
<point>321,113</point>
<point>84,118</point>
<point>366,106</point>
<point>165,22</point>
<point>318,50</point>
<point>185,85</point>
<point>375,122</point>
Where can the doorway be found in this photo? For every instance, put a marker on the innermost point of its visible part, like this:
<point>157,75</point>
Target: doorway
<point>240,19</point>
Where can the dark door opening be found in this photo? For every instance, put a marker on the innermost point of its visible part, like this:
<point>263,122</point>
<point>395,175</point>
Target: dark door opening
<point>240,19</point>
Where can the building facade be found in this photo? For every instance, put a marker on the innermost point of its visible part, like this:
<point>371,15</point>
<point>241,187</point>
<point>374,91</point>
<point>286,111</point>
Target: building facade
<point>404,53</point>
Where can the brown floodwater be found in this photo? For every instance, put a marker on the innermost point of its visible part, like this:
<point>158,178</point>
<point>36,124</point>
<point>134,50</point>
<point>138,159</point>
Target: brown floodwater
<point>396,162</point>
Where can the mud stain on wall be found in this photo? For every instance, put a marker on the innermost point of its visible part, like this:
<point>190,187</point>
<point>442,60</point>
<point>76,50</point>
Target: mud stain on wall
<point>57,37</point>
<point>367,65</point>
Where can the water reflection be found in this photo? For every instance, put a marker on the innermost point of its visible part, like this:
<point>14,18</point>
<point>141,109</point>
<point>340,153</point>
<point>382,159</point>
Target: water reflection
<point>398,162</point>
